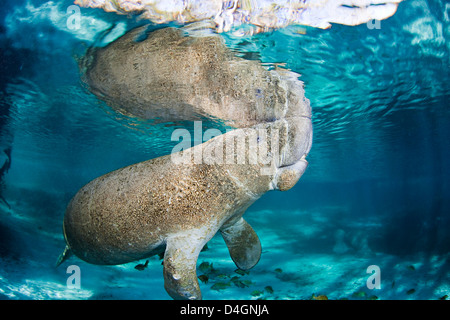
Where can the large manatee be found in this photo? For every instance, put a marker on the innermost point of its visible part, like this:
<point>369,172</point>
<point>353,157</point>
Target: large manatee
<point>176,203</point>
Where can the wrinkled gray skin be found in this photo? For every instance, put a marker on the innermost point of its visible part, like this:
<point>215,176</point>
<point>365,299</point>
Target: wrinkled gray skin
<point>162,205</point>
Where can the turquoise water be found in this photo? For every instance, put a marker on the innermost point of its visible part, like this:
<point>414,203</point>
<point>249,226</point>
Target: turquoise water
<point>376,191</point>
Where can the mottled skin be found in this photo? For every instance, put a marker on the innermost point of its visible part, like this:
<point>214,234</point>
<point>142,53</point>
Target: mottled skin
<point>168,75</point>
<point>164,205</point>
<point>143,209</point>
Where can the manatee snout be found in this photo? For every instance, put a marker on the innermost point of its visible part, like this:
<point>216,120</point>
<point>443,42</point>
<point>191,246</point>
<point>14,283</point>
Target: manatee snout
<point>296,140</point>
<point>295,144</point>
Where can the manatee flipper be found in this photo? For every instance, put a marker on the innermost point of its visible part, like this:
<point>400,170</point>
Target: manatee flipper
<point>63,256</point>
<point>243,244</point>
<point>288,176</point>
<point>180,267</point>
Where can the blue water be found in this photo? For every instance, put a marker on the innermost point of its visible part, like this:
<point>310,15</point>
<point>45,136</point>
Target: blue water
<point>376,191</point>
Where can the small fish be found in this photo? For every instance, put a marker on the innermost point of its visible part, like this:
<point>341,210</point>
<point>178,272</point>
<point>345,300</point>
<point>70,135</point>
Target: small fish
<point>360,294</point>
<point>374,297</point>
<point>205,267</point>
<point>220,286</point>
<point>247,282</point>
<point>319,297</point>
<point>203,278</point>
<point>410,291</point>
<point>268,289</point>
<point>278,270</point>
<point>256,293</point>
<point>141,266</point>
<point>443,297</point>
<point>411,267</point>
<point>239,284</point>
<point>241,272</point>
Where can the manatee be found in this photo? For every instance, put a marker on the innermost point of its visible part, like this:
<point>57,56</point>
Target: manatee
<point>160,205</point>
<point>183,74</point>
<point>175,204</point>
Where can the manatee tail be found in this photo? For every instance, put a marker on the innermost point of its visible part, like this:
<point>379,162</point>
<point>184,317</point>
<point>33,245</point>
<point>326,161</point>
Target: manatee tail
<point>63,256</point>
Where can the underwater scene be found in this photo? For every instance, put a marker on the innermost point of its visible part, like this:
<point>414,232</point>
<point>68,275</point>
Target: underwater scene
<point>118,181</point>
